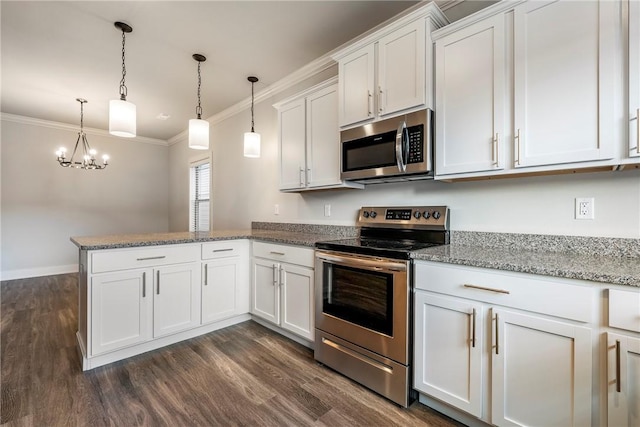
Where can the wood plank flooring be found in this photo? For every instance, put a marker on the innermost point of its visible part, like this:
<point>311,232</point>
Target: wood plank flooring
<point>244,375</point>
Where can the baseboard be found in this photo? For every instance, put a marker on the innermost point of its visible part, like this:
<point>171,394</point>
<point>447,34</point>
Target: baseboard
<point>38,272</point>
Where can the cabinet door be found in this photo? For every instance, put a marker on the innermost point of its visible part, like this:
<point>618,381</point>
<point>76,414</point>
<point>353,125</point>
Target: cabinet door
<point>623,379</point>
<point>265,290</point>
<point>176,299</point>
<point>297,300</point>
<point>470,98</point>
<point>121,313</point>
<point>634,78</point>
<point>542,361</point>
<point>564,81</point>
<point>401,69</point>
<point>292,145</point>
<point>221,289</point>
<point>323,138</point>
<point>448,350</point>
<point>356,86</point>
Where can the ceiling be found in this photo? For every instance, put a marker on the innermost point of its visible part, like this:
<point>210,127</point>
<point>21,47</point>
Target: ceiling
<point>56,51</point>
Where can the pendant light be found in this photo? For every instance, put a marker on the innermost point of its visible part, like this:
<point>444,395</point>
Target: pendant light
<point>88,154</point>
<point>198,128</point>
<point>122,114</point>
<point>252,139</point>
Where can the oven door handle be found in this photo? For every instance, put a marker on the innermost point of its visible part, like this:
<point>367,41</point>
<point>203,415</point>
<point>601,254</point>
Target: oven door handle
<point>375,264</point>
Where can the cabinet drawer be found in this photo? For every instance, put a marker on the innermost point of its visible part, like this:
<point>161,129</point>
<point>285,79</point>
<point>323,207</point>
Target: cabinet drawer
<point>516,290</point>
<point>123,259</point>
<point>223,249</point>
<point>284,253</point>
<point>624,310</point>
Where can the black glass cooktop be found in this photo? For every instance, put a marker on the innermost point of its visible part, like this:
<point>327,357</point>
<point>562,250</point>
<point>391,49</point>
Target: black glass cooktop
<point>397,249</point>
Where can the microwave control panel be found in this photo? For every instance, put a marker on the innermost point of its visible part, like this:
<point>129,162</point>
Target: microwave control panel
<point>416,152</point>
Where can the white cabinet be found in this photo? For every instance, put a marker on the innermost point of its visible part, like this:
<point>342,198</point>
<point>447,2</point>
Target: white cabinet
<point>386,72</point>
<point>283,287</point>
<point>623,358</point>
<point>564,81</point>
<point>470,98</point>
<point>225,280</point>
<point>309,143</point>
<point>531,87</point>
<point>121,310</point>
<point>176,298</point>
<point>634,78</point>
<point>491,343</point>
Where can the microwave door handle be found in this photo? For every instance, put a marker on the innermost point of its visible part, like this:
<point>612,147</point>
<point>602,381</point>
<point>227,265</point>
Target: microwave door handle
<point>400,146</point>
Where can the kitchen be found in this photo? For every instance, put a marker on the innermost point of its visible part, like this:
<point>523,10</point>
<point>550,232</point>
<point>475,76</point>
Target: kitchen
<point>147,200</point>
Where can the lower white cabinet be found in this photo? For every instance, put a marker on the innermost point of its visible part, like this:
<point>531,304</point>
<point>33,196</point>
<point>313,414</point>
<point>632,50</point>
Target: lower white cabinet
<point>121,310</point>
<point>623,380</point>
<point>478,350</point>
<point>176,298</point>
<point>283,287</point>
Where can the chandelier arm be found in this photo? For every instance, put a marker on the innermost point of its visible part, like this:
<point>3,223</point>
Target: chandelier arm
<point>75,148</point>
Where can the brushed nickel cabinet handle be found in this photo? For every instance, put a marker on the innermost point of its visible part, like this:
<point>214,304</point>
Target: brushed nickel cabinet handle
<point>517,148</point>
<point>280,275</point>
<point>497,336</point>
<point>473,328</point>
<point>380,108</point>
<point>638,130</point>
<point>223,250</point>
<point>301,177</point>
<point>494,149</point>
<point>151,257</point>
<point>618,385</point>
<point>369,99</point>
<point>482,288</point>
<point>273,275</point>
<point>158,282</point>
<point>206,274</point>
<point>144,284</point>
<point>276,253</point>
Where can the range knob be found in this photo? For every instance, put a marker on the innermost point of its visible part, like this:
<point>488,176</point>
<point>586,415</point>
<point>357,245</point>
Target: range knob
<point>417,214</point>
<point>436,215</point>
<point>373,214</point>
<point>365,214</point>
<point>426,214</point>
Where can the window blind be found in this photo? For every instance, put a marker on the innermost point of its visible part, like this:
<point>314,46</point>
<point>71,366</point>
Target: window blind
<point>200,203</point>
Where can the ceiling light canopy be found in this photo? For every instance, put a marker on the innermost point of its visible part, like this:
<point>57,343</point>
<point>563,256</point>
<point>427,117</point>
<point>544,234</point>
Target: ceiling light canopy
<point>198,128</point>
<point>252,139</point>
<point>122,113</point>
<point>88,154</point>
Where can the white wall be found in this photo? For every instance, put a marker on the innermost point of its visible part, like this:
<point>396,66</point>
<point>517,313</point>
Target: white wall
<point>246,190</point>
<point>43,204</point>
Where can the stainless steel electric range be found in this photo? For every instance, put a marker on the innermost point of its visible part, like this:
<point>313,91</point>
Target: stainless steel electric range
<point>364,296</point>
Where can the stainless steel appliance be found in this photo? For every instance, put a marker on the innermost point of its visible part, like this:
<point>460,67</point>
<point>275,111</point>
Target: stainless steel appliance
<point>364,293</point>
<point>395,149</point>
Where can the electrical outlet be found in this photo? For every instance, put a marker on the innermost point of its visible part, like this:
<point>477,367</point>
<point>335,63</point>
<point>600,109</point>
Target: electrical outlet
<point>276,209</point>
<point>585,208</point>
<point>327,210</point>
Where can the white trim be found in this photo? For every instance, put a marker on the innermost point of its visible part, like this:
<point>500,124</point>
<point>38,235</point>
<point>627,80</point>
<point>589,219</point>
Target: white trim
<point>74,128</point>
<point>331,81</point>
<point>38,272</point>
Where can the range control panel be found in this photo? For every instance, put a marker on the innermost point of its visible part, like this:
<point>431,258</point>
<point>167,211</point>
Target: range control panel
<point>425,217</point>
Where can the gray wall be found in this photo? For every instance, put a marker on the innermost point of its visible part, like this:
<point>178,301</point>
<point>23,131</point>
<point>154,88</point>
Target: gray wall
<point>43,204</point>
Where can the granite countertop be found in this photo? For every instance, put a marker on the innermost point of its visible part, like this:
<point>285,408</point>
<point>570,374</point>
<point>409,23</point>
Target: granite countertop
<point>118,241</point>
<point>607,269</point>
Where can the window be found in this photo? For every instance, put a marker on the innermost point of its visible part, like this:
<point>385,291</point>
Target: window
<point>199,203</point>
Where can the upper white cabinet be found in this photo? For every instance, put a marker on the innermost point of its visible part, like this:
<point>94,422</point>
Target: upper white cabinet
<point>309,141</point>
<point>533,87</point>
<point>634,78</point>
<point>470,98</point>
<point>564,81</point>
<point>388,71</point>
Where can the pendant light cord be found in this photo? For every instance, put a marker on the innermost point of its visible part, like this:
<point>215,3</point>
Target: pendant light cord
<point>123,87</point>
<point>251,106</point>
<point>199,108</point>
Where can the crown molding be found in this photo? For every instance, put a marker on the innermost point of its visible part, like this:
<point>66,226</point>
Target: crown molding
<point>6,117</point>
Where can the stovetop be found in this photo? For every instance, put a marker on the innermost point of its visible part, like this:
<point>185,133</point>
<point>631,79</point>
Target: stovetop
<point>395,232</point>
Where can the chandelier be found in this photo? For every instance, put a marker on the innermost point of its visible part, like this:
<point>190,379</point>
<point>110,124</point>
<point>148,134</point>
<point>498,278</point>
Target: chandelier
<point>88,154</point>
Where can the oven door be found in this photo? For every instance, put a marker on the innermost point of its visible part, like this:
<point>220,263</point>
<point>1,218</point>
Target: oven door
<point>364,300</point>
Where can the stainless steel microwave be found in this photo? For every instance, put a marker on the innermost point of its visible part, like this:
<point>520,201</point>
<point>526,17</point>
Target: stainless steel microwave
<point>395,149</point>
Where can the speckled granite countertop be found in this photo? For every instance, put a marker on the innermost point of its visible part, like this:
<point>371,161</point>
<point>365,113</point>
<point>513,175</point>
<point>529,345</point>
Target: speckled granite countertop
<point>136,240</point>
<point>607,269</point>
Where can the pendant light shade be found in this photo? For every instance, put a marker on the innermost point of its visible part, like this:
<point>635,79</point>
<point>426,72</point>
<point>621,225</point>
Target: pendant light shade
<point>198,128</point>
<point>251,144</point>
<point>252,139</point>
<point>122,114</point>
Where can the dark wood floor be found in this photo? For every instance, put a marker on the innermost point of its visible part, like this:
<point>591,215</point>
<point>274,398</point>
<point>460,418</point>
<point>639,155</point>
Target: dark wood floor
<point>242,375</point>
